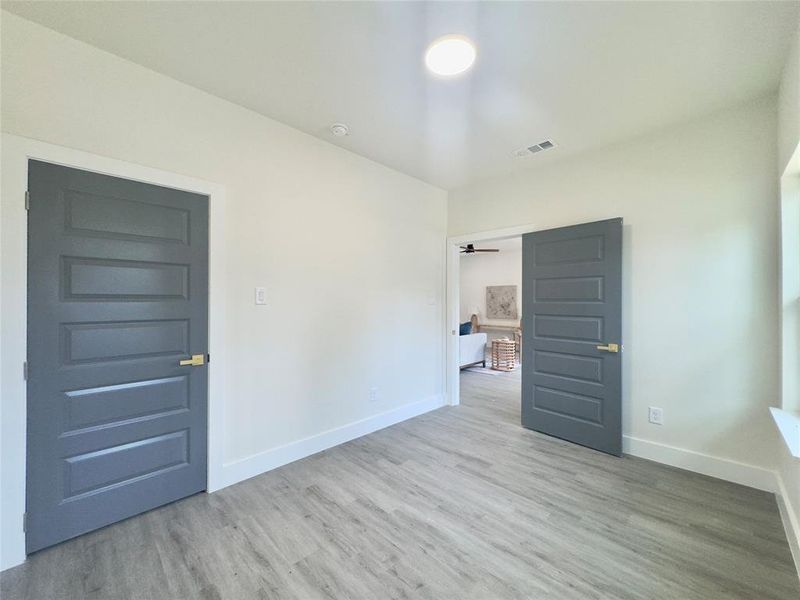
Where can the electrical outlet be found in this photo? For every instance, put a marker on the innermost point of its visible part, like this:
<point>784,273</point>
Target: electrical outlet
<point>655,415</point>
<point>373,394</point>
<point>261,295</point>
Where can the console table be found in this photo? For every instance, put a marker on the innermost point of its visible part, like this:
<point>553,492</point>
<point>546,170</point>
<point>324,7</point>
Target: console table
<point>514,330</point>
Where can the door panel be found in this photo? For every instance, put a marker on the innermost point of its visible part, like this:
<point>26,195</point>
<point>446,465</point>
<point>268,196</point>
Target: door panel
<point>96,279</point>
<point>117,296</point>
<point>571,304</point>
<point>113,403</point>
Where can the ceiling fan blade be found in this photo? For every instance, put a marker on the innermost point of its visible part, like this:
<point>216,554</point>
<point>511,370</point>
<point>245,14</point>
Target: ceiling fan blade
<point>486,250</point>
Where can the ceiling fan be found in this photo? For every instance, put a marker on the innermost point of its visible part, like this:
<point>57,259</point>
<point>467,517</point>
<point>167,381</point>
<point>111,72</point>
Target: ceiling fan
<point>471,249</point>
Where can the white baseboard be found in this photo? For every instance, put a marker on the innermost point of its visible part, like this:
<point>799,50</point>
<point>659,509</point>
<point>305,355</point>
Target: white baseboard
<point>713,466</point>
<point>789,516</point>
<point>245,468</point>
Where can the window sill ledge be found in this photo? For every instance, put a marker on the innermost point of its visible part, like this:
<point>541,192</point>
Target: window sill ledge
<point>789,425</point>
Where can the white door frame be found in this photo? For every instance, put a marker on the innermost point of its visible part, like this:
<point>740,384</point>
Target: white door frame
<point>16,151</point>
<point>452,317</point>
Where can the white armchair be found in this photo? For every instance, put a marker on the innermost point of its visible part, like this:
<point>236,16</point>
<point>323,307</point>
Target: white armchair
<point>472,349</point>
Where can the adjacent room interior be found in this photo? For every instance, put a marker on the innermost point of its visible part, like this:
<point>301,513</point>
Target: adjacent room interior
<point>399,300</point>
<point>490,335</point>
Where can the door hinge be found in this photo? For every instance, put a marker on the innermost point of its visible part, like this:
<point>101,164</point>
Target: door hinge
<point>27,200</point>
<point>25,522</point>
<point>25,370</point>
<point>208,358</point>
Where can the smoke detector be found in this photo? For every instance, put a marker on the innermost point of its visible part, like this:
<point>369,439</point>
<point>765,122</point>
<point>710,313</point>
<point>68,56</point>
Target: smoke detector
<point>528,150</point>
<point>340,129</point>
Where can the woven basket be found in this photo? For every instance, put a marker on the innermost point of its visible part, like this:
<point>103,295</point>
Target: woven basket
<point>504,355</point>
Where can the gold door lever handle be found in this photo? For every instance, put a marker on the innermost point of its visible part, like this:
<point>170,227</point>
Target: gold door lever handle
<point>195,361</point>
<point>609,348</point>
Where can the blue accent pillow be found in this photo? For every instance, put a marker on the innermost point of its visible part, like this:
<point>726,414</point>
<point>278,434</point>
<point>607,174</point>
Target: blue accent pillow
<point>465,328</point>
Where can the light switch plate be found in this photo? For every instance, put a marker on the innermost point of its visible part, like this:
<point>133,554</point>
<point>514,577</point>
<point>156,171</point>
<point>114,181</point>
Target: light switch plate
<point>261,295</point>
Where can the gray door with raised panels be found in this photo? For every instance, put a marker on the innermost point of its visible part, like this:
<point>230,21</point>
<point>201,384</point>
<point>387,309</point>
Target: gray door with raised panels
<point>117,297</point>
<point>572,334</point>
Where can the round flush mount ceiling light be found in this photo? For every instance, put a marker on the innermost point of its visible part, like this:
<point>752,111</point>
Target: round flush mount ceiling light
<point>450,55</point>
<point>340,129</point>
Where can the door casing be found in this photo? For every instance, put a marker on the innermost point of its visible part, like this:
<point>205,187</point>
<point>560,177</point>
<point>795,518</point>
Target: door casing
<point>16,152</point>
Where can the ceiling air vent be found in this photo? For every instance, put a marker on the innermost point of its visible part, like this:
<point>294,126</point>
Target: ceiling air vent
<point>528,150</point>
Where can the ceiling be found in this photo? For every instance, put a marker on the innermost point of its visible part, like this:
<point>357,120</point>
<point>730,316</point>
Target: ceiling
<point>583,74</point>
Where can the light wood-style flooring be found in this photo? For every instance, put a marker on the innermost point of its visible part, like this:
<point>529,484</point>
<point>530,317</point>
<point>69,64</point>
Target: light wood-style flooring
<point>459,503</point>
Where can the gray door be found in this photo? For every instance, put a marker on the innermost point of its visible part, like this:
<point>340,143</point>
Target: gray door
<point>117,296</point>
<point>572,334</point>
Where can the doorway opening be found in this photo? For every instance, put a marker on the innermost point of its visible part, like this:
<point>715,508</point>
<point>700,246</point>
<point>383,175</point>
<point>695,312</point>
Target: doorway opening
<point>490,333</point>
<point>569,334</point>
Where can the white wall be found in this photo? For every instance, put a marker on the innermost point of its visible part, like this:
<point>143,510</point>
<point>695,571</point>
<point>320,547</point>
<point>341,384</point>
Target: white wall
<point>699,203</point>
<point>477,271</point>
<point>315,224</point>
